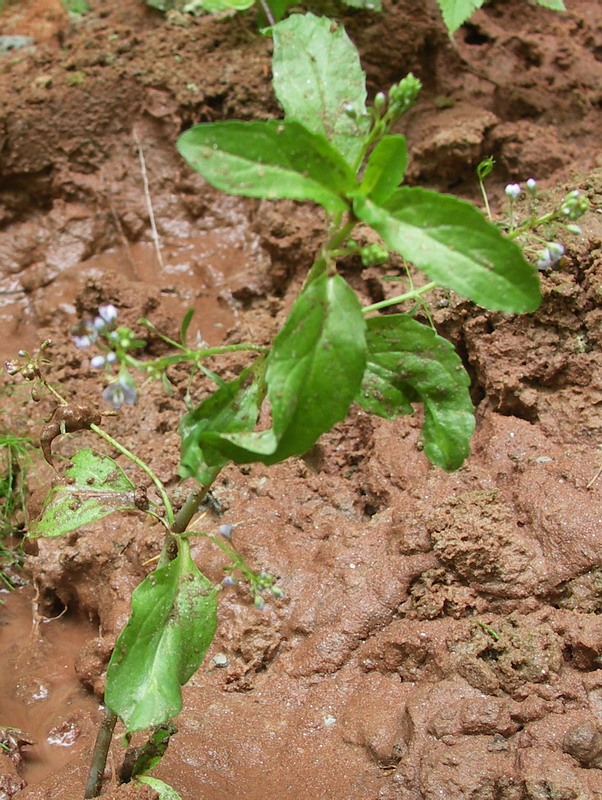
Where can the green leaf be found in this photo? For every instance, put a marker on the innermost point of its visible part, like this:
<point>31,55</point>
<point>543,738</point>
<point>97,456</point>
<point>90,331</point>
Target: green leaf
<point>456,12</point>
<point>385,168</point>
<point>216,6</point>
<point>554,5</point>
<point>314,371</point>
<point>366,5</point>
<point>273,159</point>
<point>185,325</point>
<point>164,790</point>
<point>174,615</point>
<point>232,407</point>
<point>453,243</point>
<point>95,486</point>
<point>155,748</point>
<point>409,362</point>
<point>316,74</point>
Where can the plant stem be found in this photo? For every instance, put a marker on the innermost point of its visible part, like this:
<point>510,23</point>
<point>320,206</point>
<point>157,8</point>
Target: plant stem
<point>192,355</point>
<point>144,467</point>
<point>393,301</point>
<point>99,755</point>
<point>191,505</point>
<point>178,524</point>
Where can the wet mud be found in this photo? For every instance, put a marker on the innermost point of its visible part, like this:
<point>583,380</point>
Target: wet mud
<point>439,635</point>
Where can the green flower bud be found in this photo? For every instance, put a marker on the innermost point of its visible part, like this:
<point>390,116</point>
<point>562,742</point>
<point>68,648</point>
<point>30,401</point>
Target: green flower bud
<point>373,255</point>
<point>403,95</point>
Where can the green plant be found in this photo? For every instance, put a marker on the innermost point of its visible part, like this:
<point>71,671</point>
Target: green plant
<point>332,149</point>
<point>15,456</point>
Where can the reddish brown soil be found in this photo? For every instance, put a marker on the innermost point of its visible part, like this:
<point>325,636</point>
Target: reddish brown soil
<point>439,635</point>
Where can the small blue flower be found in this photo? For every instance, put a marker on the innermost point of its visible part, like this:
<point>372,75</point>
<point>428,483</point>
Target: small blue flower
<point>229,581</point>
<point>96,362</point>
<point>121,391</point>
<point>556,251</point>
<point>531,185</point>
<point>512,190</point>
<point>108,313</point>
<point>226,530</point>
<point>545,259</point>
<point>86,335</point>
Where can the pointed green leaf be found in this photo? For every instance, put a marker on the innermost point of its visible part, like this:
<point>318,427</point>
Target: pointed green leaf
<point>316,75</point>
<point>185,325</point>
<point>174,615</point>
<point>409,362</point>
<point>313,373</point>
<point>94,487</point>
<point>385,168</point>
<point>164,790</point>
<point>453,243</point>
<point>273,159</point>
<point>554,5</point>
<point>232,407</point>
<point>456,12</point>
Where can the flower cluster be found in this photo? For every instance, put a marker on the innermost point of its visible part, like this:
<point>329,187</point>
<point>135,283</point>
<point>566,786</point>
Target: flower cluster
<point>115,343</point>
<point>572,208</point>
<point>259,582</point>
<point>89,332</point>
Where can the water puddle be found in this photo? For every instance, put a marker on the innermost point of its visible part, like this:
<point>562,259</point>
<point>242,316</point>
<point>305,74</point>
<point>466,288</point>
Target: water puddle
<point>201,272</point>
<point>40,694</point>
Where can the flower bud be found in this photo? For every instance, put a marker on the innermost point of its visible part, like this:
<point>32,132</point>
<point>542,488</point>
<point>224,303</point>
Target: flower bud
<point>512,190</point>
<point>12,367</point>
<point>380,101</point>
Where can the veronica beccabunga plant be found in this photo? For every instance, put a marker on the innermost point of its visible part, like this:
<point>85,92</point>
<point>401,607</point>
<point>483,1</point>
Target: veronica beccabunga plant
<point>332,149</point>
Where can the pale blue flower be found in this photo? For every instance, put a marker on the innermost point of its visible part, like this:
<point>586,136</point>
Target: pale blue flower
<point>121,391</point>
<point>513,190</point>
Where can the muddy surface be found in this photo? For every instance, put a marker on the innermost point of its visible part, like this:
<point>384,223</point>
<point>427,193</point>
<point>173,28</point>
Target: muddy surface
<point>439,635</point>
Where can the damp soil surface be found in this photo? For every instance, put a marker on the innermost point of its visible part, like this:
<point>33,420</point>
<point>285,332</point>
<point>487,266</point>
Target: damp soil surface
<point>439,635</point>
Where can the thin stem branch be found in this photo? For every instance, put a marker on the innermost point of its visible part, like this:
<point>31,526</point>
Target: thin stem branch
<point>393,301</point>
<point>268,12</point>
<point>99,755</point>
<point>192,355</point>
<point>144,467</point>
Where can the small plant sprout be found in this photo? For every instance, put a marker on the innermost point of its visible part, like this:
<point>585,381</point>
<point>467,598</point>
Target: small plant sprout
<point>338,151</point>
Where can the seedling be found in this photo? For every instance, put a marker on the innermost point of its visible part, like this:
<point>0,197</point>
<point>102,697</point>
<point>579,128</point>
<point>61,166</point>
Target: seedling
<point>334,150</point>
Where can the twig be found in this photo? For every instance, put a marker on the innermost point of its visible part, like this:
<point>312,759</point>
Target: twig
<point>595,478</point>
<point>149,204</point>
